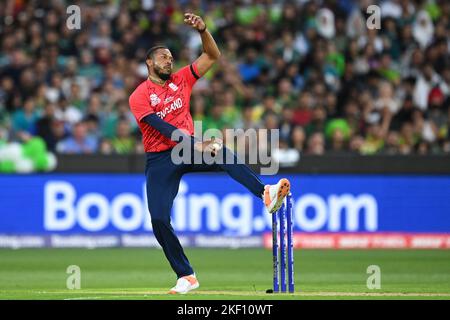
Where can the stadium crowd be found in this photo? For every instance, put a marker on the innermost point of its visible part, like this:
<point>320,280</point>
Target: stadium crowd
<point>312,69</point>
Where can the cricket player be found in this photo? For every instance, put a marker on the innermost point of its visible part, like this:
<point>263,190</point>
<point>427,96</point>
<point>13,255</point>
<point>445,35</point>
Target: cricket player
<point>161,107</point>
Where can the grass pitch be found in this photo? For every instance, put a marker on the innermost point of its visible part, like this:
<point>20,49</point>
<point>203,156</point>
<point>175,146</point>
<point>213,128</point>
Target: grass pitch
<point>234,274</point>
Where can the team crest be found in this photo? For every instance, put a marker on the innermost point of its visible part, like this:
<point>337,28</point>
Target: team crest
<point>154,100</point>
<point>173,86</point>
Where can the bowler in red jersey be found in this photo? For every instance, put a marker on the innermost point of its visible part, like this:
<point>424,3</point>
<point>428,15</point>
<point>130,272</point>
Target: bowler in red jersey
<point>161,107</point>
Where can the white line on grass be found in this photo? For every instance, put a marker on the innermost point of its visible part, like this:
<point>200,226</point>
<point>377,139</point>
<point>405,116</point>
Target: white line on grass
<point>106,294</point>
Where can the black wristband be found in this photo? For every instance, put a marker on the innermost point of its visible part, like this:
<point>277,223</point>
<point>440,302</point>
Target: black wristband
<point>204,29</point>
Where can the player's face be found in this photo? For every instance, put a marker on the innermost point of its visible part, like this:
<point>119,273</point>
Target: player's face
<point>163,63</point>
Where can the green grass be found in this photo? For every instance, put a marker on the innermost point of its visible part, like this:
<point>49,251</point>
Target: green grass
<point>223,274</point>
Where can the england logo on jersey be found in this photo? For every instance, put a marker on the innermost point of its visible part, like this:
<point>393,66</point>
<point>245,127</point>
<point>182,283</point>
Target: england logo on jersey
<point>173,86</point>
<point>154,100</point>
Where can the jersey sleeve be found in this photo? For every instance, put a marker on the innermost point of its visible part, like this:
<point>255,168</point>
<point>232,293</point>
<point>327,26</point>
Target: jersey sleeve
<point>140,106</point>
<point>190,73</point>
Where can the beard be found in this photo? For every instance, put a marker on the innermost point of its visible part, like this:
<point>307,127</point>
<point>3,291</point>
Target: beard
<point>163,74</point>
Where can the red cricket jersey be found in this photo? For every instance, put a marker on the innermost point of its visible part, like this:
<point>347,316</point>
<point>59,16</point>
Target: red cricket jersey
<point>170,102</point>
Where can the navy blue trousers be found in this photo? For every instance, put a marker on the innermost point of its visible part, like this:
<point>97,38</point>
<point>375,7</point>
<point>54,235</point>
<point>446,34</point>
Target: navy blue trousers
<point>163,179</point>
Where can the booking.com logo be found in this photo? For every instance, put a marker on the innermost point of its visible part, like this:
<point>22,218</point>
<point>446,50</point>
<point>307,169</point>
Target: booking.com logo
<point>254,145</point>
<point>66,209</point>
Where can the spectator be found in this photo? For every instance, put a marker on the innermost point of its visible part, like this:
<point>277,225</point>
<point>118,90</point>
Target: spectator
<point>426,130</point>
<point>269,105</point>
<point>374,141</point>
<point>231,113</point>
<point>286,125</point>
<point>302,111</point>
<point>427,80</point>
<point>316,144</point>
<point>318,118</point>
<point>392,143</point>
<point>287,50</point>
<point>386,98</point>
<point>408,138</point>
<point>247,119</point>
<point>325,23</point>
<point>67,113</point>
<point>50,129</point>
<point>298,138</point>
<point>215,120</point>
<point>356,143</point>
<point>123,142</point>
<point>337,142</point>
<point>423,29</point>
<point>249,69</point>
<point>24,120</point>
<point>79,142</point>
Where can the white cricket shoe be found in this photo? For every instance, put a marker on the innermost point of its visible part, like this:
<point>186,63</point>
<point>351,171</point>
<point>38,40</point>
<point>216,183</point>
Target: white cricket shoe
<point>185,284</point>
<point>275,194</point>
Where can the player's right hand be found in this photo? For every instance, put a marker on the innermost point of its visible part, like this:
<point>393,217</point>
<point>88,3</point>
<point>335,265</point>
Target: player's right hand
<point>194,21</point>
<point>212,146</point>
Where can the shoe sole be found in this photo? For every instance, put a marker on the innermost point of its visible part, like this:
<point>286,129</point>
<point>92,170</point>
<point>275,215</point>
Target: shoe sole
<point>284,190</point>
<point>195,286</point>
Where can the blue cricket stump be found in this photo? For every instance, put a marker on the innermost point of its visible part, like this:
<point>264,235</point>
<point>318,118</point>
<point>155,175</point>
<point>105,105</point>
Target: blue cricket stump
<point>282,213</point>
<point>290,244</point>
<point>276,286</point>
<point>286,231</point>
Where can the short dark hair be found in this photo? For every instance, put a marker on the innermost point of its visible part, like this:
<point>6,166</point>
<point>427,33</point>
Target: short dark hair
<point>152,50</point>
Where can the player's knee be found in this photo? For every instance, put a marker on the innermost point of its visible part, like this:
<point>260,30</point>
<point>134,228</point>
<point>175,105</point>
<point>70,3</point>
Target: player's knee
<point>160,221</point>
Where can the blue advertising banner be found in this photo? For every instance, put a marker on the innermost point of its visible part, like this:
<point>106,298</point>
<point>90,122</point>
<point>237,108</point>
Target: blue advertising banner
<point>214,204</point>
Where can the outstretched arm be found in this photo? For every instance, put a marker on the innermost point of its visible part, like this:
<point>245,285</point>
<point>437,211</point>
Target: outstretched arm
<point>211,52</point>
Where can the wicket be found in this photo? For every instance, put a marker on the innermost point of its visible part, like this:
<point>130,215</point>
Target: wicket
<point>285,217</point>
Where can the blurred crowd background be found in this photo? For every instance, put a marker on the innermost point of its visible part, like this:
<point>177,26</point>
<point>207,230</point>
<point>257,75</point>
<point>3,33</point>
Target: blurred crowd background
<point>312,69</point>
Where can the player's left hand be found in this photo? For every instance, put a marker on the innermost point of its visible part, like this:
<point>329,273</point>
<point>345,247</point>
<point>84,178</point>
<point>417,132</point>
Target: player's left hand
<point>194,21</point>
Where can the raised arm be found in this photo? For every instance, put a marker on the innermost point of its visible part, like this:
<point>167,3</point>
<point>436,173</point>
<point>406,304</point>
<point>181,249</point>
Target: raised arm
<point>211,52</point>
